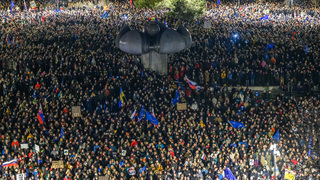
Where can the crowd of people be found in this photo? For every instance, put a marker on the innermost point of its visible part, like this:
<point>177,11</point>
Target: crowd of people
<point>61,59</point>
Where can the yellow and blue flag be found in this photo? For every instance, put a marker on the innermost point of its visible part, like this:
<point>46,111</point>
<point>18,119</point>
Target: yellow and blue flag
<point>122,97</point>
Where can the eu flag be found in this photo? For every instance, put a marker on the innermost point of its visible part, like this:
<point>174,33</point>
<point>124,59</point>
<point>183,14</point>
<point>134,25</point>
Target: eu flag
<point>12,5</point>
<point>141,114</point>
<point>266,17</point>
<point>62,133</point>
<point>276,136</point>
<point>105,15</point>
<point>269,46</point>
<point>142,169</point>
<point>228,174</point>
<point>175,100</point>
<point>236,124</point>
<point>152,118</point>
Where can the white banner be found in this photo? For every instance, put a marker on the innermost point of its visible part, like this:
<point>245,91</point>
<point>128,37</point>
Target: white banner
<point>20,176</point>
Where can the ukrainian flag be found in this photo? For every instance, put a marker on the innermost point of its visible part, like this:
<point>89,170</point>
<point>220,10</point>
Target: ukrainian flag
<point>122,97</point>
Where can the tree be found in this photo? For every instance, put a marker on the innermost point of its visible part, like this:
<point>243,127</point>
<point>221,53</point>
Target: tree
<point>147,3</point>
<point>188,9</point>
<point>181,9</point>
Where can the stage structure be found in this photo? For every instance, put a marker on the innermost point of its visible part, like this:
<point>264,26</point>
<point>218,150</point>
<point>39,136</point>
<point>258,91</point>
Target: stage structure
<point>153,44</point>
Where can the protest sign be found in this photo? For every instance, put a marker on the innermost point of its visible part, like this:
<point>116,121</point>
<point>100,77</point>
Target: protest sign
<point>57,164</point>
<point>76,111</point>
<point>20,177</point>
<point>181,106</point>
<point>37,148</point>
<point>24,146</point>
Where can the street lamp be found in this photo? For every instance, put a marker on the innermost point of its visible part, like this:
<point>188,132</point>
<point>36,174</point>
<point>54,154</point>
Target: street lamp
<point>273,147</point>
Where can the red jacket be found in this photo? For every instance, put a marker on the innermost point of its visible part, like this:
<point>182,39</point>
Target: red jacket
<point>15,143</point>
<point>133,144</point>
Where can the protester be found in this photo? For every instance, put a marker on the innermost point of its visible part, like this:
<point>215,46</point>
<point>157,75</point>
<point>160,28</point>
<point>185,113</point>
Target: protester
<point>53,60</point>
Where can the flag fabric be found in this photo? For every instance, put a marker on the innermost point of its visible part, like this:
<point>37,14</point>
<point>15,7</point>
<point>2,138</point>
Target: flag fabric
<point>310,142</point>
<point>266,17</point>
<point>8,40</point>
<point>131,171</point>
<point>121,163</point>
<point>306,48</point>
<point>198,22</point>
<point>236,14</point>
<point>25,5</point>
<point>175,100</point>
<point>203,157</point>
<point>294,33</point>
<point>152,118</point>
<point>218,2</point>
<point>122,97</point>
<point>243,143</point>
<point>171,152</point>
<point>192,84</point>
<point>142,113</point>
<point>10,163</point>
<point>40,115</point>
<point>143,169</point>
<point>236,124</point>
<point>61,133</point>
<point>276,136</point>
<point>269,46</point>
<point>133,115</point>
<point>104,16</point>
<point>12,5</point>
<point>152,112</point>
<point>290,175</point>
<point>228,174</point>
<point>130,3</point>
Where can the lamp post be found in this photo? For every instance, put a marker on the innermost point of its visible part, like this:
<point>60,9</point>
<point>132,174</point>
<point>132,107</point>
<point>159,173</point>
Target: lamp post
<point>275,152</point>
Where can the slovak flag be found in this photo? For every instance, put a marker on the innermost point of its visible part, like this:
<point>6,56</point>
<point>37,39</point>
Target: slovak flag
<point>203,157</point>
<point>171,151</point>
<point>40,115</point>
<point>152,112</point>
<point>134,115</point>
<point>192,84</point>
<point>10,163</point>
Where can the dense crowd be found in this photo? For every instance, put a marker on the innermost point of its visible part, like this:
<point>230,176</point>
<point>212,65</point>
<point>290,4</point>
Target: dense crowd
<point>67,58</point>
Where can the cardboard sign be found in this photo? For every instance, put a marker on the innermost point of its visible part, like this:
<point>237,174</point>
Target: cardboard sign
<point>24,146</point>
<point>123,153</point>
<point>37,148</point>
<point>207,24</point>
<point>57,164</point>
<point>20,176</point>
<point>181,106</point>
<point>33,4</point>
<point>76,111</point>
<point>102,178</point>
<point>290,175</point>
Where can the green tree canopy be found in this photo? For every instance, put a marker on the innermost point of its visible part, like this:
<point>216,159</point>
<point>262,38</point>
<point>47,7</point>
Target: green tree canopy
<point>181,9</point>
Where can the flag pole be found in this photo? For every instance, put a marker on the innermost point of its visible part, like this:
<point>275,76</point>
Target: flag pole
<point>230,124</point>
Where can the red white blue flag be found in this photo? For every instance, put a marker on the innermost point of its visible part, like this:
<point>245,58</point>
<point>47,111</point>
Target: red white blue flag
<point>40,115</point>
<point>192,84</point>
<point>10,163</point>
